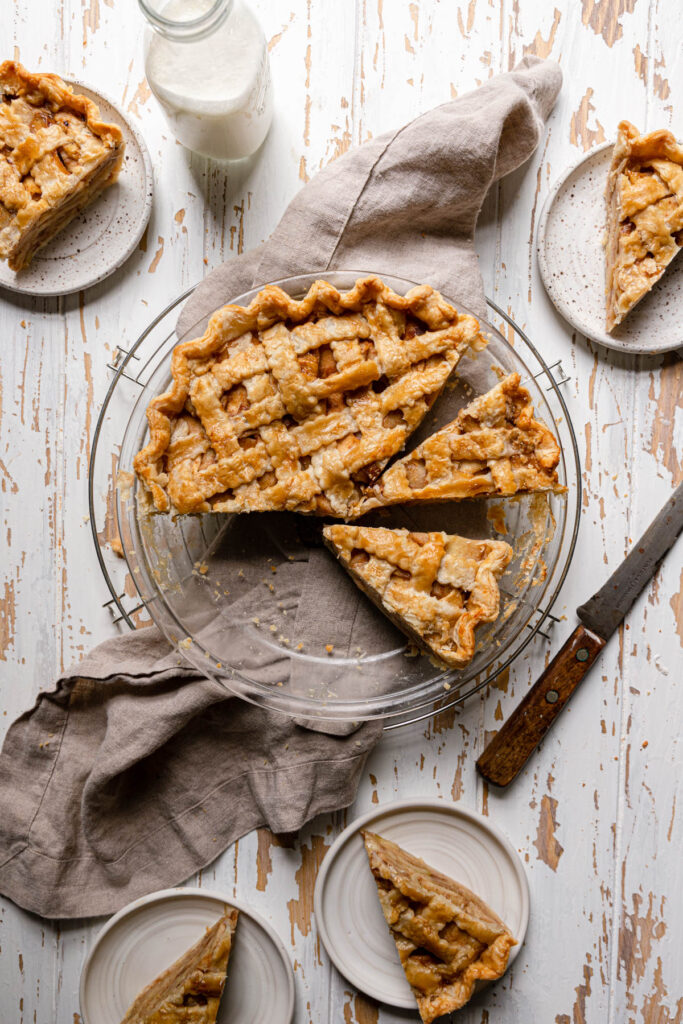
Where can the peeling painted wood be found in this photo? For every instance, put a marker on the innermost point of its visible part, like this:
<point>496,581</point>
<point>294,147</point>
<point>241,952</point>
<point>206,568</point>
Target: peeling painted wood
<point>596,815</point>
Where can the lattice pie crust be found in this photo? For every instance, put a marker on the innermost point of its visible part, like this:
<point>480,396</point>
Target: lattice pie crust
<point>644,216</point>
<point>56,157</point>
<point>437,588</point>
<point>494,447</point>
<point>297,404</point>
<point>189,992</point>
<point>447,938</point>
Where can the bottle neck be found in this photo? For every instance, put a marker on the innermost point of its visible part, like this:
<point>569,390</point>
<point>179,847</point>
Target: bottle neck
<point>186,22</point>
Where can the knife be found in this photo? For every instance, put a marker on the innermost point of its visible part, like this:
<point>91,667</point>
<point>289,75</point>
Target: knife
<point>508,752</point>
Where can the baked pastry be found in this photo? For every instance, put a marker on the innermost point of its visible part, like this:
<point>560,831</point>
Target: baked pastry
<point>189,992</point>
<point>297,403</point>
<point>56,157</point>
<point>447,938</point>
<point>494,447</point>
<point>644,216</point>
<point>435,587</point>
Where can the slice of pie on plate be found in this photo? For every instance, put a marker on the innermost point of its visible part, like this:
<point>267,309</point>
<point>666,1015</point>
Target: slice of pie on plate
<point>447,938</point>
<point>493,447</point>
<point>437,588</point>
<point>644,197</point>
<point>295,404</point>
<point>56,157</point>
<point>189,991</point>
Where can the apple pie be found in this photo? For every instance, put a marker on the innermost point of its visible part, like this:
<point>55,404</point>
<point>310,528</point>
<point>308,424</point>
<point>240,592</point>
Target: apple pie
<point>644,216</point>
<point>494,447</point>
<point>296,404</point>
<point>435,587</point>
<point>447,938</point>
<point>189,992</point>
<point>56,157</point>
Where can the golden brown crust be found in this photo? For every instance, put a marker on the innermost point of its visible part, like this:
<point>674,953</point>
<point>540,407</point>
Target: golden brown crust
<point>57,157</point>
<point>296,403</point>
<point>494,447</point>
<point>189,991</point>
<point>58,95</point>
<point>447,937</point>
<point>644,198</point>
<point>437,588</point>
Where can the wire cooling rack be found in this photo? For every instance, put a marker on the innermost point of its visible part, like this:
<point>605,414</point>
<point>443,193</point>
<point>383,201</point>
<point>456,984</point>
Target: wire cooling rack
<point>131,369</point>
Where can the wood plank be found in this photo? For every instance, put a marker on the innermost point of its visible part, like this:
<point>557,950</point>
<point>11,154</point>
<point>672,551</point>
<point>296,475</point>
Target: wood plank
<point>596,816</point>
<point>648,972</point>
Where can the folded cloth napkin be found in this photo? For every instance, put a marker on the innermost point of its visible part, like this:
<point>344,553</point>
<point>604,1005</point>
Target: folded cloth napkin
<point>134,772</point>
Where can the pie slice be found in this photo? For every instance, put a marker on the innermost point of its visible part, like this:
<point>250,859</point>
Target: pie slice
<point>295,404</point>
<point>56,157</point>
<point>435,587</point>
<point>644,216</point>
<point>493,447</point>
<point>189,991</point>
<point>447,938</point>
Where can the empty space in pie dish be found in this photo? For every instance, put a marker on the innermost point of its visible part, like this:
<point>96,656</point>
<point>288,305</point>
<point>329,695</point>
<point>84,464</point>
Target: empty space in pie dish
<point>571,259</point>
<point>254,600</point>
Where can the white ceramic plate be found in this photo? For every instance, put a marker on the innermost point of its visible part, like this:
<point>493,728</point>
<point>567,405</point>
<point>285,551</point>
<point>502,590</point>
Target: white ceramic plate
<point>571,259</point>
<point>463,845</point>
<point>105,234</point>
<point>151,933</point>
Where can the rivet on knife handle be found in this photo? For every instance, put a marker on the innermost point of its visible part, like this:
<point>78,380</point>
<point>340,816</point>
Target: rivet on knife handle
<point>512,746</point>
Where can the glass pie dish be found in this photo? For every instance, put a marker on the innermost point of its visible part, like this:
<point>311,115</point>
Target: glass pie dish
<point>253,600</point>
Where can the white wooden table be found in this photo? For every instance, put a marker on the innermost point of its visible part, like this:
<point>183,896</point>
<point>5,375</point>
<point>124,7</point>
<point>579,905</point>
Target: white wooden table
<point>598,814</point>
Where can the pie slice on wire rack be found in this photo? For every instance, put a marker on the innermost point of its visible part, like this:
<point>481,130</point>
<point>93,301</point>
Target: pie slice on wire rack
<point>189,991</point>
<point>494,447</point>
<point>447,938</point>
<point>435,587</point>
<point>644,197</point>
<point>56,157</point>
<point>296,404</point>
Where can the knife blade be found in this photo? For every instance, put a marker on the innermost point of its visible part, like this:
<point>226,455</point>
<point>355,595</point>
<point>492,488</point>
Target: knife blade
<point>607,608</point>
<point>600,617</point>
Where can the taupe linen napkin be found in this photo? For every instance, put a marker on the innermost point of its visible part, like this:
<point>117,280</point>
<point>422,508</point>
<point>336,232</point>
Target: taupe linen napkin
<point>405,203</point>
<point>134,772</point>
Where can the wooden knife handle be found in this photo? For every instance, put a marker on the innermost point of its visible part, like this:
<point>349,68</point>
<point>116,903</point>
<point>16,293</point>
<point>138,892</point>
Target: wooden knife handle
<point>513,745</point>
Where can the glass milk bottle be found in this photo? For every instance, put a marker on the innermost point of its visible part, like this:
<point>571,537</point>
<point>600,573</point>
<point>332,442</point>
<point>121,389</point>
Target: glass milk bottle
<point>206,62</point>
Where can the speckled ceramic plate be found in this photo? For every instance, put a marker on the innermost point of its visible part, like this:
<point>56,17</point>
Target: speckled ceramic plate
<point>151,933</point>
<point>463,845</point>
<point>571,259</point>
<point>105,234</point>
